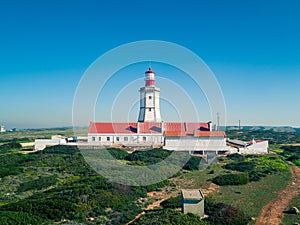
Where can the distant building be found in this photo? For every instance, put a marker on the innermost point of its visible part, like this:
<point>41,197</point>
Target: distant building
<point>2,129</point>
<point>193,201</point>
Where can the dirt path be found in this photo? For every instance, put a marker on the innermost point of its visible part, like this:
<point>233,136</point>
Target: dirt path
<point>166,193</point>
<point>272,213</point>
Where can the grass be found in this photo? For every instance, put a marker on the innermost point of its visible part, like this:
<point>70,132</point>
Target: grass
<point>198,178</point>
<point>252,197</point>
<point>290,219</point>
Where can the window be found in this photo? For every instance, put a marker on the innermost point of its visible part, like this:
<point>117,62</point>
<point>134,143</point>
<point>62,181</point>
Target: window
<point>108,138</point>
<point>144,138</point>
<point>99,138</point>
<point>149,109</point>
<point>125,138</point>
<point>150,97</point>
<point>93,138</point>
<point>117,138</point>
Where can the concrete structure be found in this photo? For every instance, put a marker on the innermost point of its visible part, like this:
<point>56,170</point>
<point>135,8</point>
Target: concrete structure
<point>149,100</point>
<point>193,201</point>
<point>251,147</point>
<point>41,144</point>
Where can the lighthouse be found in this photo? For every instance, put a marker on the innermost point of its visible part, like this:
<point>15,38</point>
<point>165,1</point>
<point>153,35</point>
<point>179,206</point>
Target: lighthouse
<point>149,99</point>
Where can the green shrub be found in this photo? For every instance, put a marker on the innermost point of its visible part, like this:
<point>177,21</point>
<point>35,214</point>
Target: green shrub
<point>240,166</point>
<point>118,153</point>
<point>38,184</point>
<point>231,179</point>
<point>223,214</point>
<point>169,217</point>
<point>172,203</point>
<point>236,156</point>
<point>193,163</point>
<point>20,218</point>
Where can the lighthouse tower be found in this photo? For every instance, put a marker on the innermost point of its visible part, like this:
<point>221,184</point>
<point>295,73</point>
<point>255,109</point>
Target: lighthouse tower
<point>149,99</point>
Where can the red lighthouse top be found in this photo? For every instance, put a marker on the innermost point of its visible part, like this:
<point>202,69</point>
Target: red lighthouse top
<point>150,80</point>
<point>150,71</point>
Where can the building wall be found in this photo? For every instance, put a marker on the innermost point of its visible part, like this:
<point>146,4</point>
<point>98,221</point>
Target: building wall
<point>125,139</point>
<point>194,143</point>
<point>149,105</point>
<point>193,206</point>
<point>256,148</point>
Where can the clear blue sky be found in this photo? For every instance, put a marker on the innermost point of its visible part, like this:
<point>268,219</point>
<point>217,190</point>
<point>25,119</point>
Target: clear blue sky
<point>252,47</point>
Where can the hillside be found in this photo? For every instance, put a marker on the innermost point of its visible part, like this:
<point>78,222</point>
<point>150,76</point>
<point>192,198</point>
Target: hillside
<point>58,186</point>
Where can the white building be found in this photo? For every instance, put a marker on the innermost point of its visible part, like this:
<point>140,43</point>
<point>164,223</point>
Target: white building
<point>251,147</point>
<point>2,129</point>
<point>151,131</point>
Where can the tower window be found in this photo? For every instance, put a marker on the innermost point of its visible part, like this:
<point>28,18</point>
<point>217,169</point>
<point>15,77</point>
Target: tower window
<point>150,97</point>
<point>149,109</point>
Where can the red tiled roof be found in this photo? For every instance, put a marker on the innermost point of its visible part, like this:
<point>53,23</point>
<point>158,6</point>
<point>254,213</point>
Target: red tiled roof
<point>197,134</point>
<point>111,128</point>
<point>186,127</point>
<point>197,126</point>
<point>149,127</point>
<point>174,126</point>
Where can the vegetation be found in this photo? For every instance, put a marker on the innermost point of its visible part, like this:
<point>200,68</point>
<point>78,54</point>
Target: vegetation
<point>291,219</point>
<point>58,184</point>
<point>256,166</point>
<point>169,217</point>
<point>272,136</point>
<point>231,179</point>
<point>291,153</point>
<point>223,214</point>
<point>172,203</point>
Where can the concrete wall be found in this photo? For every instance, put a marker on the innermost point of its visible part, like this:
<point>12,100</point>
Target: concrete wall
<point>193,143</point>
<point>193,206</point>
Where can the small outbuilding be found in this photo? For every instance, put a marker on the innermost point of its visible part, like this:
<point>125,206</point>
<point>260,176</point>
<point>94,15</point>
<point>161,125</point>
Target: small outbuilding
<point>193,201</point>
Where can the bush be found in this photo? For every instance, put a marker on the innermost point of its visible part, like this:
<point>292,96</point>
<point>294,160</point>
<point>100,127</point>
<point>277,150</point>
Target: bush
<point>223,214</point>
<point>20,218</point>
<point>231,179</point>
<point>193,163</point>
<point>118,153</point>
<point>38,184</point>
<point>236,156</point>
<point>240,166</point>
<point>169,217</point>
<point>149,157</point>
<point>60,149</point>
<point>172,203</point>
